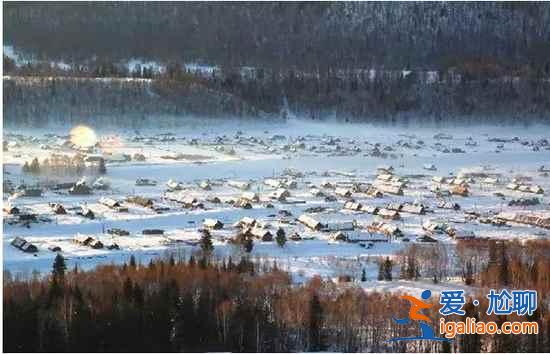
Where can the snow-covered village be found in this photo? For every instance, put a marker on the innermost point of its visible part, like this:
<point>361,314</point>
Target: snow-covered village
<point>147,195</point>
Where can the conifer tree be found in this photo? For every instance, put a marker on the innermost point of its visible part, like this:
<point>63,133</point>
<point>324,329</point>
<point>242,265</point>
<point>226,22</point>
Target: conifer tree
<point>59,268</point>
<point>470,343</point>
<point>133,264</point>
<point>281,237</point>
<point>380,270</point>
<point>102,168</point>
<point>469,273</point>
<point>248,244</point>
<point>316,342</point>
<point>26,168</point>
<point>206,243</point>
<point>35,166</point>
<point>388,266</point>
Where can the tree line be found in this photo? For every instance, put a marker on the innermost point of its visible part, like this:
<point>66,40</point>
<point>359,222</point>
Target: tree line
<point>347,96</point>
<point>205,304</point>
<point>301,35</point>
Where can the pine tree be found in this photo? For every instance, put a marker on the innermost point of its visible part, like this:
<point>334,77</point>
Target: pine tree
<point>248,244</point>
<point>203,262</point>
<point>184,331</point>
<point>52,334</point>
<point>445,347</point>
<point>492,252</point>
<point>127,289</point>
<point>388,267</point>
<point>281,237</point>
<point>133,264</point>
<point>81,326</point>
<point>470,343</point>
<point>57,283</point>
<point>59,268</point>
<point>35,166</point>
<point>316,342</point>
<point>469,273</point>
<point>411,268</point>
<point>533,341</point>
<point>102,168</point>
<point>230,265</point>
<point>206,242</point>
<point>503,274</point>
<point>26,168</point>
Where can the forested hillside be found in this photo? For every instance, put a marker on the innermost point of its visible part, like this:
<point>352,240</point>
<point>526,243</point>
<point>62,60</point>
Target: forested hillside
<point>304,35</point>
<point>376,62</point>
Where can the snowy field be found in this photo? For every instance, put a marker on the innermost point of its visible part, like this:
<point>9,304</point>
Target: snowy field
<point>288,170</point>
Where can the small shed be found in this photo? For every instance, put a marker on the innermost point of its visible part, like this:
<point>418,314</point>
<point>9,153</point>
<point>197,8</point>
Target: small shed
<point>58,209</point>
<point>388,214</point>
<point>435,227</point>
<point>295,237</point>
<point>352,206</point>
<point>242,203</point>
<point>343,192</point>
<point>213,200</point>
<point>138,157</point>
<point>339,226</point>
<point>316,192</point>
<point>205,185</point>
<point>86,212</point>
<point>250,197</point>
<point>339,236</point>
<point>460,190</point>
<point>394,206</point>
<point>110,203</point>
<point>239,185</point>
<point>80,188</point>
<point>260,233</point>
<point>23,245</point>
<point>310,222</point>
<point>439,179</point>
<point>189,201</point>
<point>280,194</point>
<point>273,183</point>
<point>213,224</point>
<point>374,193</point>
<point>246,222</point>
<point>118,232</point>
<point>31,192</point>
<point>448,205</point>
<point>142,182</point>
<point>370,209</point>
<point>11,210</point>
<point>418,209</point>
<point>144,202</point>
<point>391,189</point>
<point>152,232</point>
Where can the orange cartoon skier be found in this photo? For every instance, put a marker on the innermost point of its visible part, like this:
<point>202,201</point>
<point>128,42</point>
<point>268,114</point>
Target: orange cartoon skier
<point>415,314</point>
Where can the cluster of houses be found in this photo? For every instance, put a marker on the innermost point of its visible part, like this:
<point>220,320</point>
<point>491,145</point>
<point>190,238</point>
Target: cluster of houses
<point>284,190</point>
<point>94,243</point>
<point>533,219</point>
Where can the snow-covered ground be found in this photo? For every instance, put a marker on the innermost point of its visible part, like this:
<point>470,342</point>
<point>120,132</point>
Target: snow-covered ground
<point>309,154</point>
